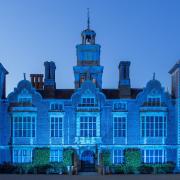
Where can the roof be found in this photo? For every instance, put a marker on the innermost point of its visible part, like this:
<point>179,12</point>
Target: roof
<point>177,65</point>
<point>67,93</point>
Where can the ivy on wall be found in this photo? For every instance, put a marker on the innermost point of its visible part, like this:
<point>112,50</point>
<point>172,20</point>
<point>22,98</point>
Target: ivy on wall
<point>132,159</point>
<point>68,157</point>
<point>41,156</point>
<point>105,157</point>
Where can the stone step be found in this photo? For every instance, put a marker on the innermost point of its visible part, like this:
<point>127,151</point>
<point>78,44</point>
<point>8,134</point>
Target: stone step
<point>88,174</point>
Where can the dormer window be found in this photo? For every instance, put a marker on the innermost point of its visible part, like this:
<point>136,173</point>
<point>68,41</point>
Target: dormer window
<point>25,100</point>
<point>120,106</point>
<point>25,97</point>
<point>56,107</point>
<point>88,101</point>
<point>154,101</point>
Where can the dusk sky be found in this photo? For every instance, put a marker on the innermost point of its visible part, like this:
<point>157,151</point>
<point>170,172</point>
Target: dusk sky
<point>145,32</point>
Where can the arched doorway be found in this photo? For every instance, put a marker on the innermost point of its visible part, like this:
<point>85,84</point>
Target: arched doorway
<point>88,161</point>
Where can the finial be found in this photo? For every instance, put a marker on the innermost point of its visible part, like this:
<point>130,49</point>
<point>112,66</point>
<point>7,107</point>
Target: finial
<point>154,76</point>
<point>88,19</point>
<point>24,76</point>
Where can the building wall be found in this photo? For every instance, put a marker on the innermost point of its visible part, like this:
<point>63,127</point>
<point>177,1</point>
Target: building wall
<point>104,111</point>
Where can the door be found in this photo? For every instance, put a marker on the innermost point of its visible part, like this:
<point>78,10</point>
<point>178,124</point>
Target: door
<point>88,161</point>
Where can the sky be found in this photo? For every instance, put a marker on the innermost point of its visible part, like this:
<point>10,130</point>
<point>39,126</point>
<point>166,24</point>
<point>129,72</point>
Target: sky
<point>145,32</point>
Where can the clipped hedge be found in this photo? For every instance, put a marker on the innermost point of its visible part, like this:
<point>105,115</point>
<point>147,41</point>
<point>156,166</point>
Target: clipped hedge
<point>57,168</point>
<point>144,169</point>
<point>117,169</point>
<point>41,156</point>
<point>164,168</point>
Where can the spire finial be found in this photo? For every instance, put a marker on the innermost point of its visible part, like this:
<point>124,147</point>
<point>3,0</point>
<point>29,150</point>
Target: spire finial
<point>24,76</point>
<point>88,19</point>
<point>154,76</point>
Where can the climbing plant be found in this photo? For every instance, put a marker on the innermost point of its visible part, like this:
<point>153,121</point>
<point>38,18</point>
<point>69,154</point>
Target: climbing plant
<point>132,159</point>
<point>41,156</point>
<point>68,157</point>
<point>105,157</point>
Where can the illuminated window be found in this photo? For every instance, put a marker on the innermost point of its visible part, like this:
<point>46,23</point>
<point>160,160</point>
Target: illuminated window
<point>56,155</point>
<point>118,156</point>
<point>56,126</point>
<point>154,156</point>
<point>87,126</point>
<point>119,126</point>
<point>56,107</point>
<point>120,106</point>
<point>22,155</point>
<point>24,126</point>
<point>153,126</point>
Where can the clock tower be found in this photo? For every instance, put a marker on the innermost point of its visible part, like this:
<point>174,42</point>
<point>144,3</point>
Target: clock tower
<point>88,59</point>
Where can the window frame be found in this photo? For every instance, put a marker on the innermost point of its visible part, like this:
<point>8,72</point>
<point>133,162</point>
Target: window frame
<point>24,125</point>
<point>120,131</point>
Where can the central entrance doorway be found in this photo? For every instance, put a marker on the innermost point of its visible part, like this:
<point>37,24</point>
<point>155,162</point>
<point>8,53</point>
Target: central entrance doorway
<point>88,161</point>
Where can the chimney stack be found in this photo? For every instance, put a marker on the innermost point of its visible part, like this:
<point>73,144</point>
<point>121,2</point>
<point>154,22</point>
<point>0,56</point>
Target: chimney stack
<point>3,73</point>
<point>124,79</point>
<point>49,81</point>
<point>37,81</point>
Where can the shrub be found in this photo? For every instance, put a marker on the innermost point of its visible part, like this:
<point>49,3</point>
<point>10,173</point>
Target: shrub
<point>7,168</point>
<point>105,157</point>
<point>41,156</point>
<point>57,168</point>
<point>68,157</point>
<point>164,168</point>
<point>26,168</point>
<point>117,169</point>
<point>146,169</point>
<point>157,168</point>
<point>42,169</point>
<point>132,160</point>
<point>128,169</point>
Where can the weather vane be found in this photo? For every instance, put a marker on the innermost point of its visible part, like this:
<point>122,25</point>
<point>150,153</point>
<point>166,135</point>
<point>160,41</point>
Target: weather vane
<point>88,19</point>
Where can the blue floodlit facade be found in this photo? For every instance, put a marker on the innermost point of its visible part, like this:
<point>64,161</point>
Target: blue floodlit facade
<point>89,118</point>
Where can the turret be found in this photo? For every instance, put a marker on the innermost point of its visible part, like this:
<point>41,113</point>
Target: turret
<point>3,73</point>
